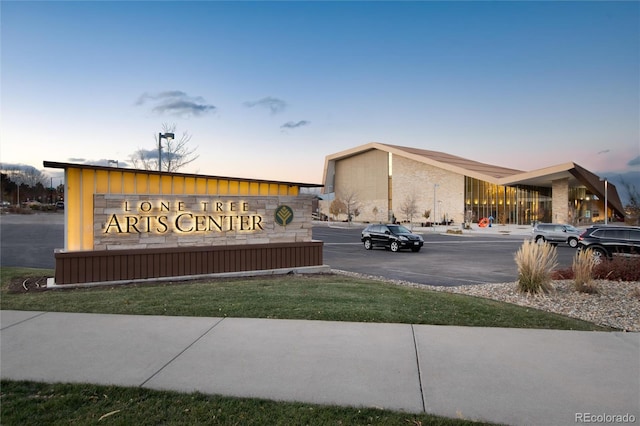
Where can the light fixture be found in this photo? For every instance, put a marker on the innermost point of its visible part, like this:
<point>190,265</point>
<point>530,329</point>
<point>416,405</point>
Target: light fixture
<point>168,136</point>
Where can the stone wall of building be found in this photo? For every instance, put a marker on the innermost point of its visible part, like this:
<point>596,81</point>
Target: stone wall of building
<point>423,182</point>
<point>152,221</point>
<point>560,201</point>
<point>365,178</point>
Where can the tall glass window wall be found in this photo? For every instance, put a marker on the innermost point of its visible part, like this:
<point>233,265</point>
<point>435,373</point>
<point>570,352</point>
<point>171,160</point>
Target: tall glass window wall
<point>521,205</point>
<point>584,206</point>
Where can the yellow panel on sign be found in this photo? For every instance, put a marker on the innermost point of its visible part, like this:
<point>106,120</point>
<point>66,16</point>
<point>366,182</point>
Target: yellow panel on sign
<point>178,185</point>
<point>233,187</point>
<point>154,184</point>
<point>254,189</point>
<point>201,186</point>
<point>142,183</point>
<point>102,182</point>
<point>129,183</point>
<point>86,202</point>
<point>115,182</point>
<point>166,185</point>
<point>72,199</point>
<point>189,185</point>
<point>223,187</point>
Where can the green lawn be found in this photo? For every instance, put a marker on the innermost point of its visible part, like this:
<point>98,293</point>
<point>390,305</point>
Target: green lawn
<point>312,297</point>
<point>29,403</point>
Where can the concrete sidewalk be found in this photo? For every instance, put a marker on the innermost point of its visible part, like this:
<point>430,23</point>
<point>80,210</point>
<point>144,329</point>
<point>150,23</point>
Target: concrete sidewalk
<point>510,376</point>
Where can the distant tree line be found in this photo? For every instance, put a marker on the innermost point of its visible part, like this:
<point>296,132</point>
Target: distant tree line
<point>24,184</point>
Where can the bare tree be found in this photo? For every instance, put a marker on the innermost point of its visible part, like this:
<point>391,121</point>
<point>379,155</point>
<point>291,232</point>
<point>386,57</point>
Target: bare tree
<point>337,208</point>
<point>176,152</point>
<point>350,199</point>
<point>409,207</point>
<point>632,209</point>
<point>24,175</point>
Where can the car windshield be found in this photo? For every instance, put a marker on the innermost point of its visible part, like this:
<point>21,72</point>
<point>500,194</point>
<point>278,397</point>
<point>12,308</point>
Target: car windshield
<point>398,229</point>
<point>571,228</point>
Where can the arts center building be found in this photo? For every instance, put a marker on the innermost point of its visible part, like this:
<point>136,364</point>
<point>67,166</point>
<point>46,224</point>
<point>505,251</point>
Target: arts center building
<point>381,181</point>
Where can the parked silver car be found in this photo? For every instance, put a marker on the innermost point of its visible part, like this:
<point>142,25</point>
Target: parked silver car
<point>555,233</point>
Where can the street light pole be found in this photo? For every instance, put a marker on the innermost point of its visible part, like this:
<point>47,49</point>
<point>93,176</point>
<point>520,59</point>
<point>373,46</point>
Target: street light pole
<point>435,185</point>
<point>606,202</point>
<point>168,137</point>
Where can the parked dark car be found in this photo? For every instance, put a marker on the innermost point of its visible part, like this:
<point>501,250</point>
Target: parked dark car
<point>606,241</point>
<point>555,233</point>
<point>391,237</point>
<point>60,205</point>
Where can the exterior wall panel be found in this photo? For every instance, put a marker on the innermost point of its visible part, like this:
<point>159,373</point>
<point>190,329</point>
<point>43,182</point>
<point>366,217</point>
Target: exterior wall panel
<point>367,176</point>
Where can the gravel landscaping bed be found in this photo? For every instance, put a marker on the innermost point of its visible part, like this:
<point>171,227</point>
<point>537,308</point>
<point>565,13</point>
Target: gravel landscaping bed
<point>616,305</point>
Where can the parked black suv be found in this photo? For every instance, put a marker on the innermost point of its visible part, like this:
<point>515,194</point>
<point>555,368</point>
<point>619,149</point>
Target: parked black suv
<point>606,241</point>
<point>392,237</point>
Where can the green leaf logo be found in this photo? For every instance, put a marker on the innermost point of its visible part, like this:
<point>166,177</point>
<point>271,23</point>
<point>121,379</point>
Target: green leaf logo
<point>284,215</point>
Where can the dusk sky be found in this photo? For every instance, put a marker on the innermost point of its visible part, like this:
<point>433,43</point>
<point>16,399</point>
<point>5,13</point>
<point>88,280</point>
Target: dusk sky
<point>268,89</point>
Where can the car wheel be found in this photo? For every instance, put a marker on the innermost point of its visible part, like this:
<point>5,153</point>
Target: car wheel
<point>573,242</point>
<point>598,255</point>
<point>394,246</point>
<point>367,244</point>
<point>540,240</point>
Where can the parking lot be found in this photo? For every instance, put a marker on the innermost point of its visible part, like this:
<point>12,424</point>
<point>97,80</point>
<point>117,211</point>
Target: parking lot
<point>478,256</point>
<point>446,259</point>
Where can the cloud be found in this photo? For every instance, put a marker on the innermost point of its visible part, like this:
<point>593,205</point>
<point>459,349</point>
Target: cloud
<point>294,125</point>
<point>274,105</point>
<point>176,103</point>
<point>147,154</point>
<point>17,167</point>
<point>152,154</point>
<point>634,161</point>
<point>101,162</point>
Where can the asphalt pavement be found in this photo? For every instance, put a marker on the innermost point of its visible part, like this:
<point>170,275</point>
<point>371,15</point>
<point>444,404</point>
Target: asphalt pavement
<point>507,376</point>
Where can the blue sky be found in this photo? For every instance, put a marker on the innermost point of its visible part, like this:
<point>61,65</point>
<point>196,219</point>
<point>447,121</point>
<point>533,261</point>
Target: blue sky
<point>268,89</point>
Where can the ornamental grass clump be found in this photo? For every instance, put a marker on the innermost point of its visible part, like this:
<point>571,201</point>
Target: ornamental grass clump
<point>535,265</point>
<point>583,264</point>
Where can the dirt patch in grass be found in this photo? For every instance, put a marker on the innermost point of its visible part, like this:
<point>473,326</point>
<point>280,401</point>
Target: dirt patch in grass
<point>27,284</point>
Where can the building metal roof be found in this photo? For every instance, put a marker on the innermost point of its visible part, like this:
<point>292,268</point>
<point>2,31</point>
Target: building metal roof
<point>458,162</point>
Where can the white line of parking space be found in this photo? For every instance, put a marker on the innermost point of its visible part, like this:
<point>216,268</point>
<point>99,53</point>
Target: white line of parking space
<point>473,242</point>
